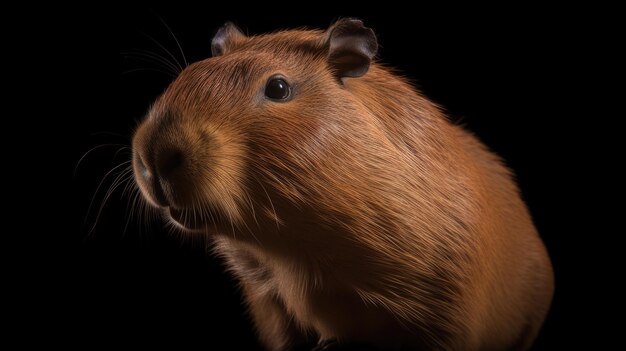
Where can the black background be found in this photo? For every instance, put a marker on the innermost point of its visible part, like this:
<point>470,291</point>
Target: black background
<point>514,78</point>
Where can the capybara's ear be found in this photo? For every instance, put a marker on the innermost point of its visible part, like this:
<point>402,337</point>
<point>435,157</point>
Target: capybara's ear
<point>225,38</point>
<point>351,47</point>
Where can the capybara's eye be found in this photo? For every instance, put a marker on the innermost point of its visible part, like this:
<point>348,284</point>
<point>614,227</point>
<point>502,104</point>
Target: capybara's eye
<point>277,89</point>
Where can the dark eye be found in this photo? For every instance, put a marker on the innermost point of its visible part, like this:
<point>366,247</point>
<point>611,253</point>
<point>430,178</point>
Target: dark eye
<point>277,89</point>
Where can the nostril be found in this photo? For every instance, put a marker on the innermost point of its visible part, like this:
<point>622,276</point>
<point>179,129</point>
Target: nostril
<point>142,167</point>
<point>169,161</point>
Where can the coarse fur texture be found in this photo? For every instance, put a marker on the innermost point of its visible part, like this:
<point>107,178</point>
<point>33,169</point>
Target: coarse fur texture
<point>354,210</point>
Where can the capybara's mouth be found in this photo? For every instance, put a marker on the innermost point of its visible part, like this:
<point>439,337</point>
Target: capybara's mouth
<point>186,219</point>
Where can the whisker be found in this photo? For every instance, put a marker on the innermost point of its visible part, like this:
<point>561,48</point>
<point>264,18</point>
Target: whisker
<point>150,56</point>
<point>123,176</point>
<point>109,133</point>
<point>175,39</point>
<point>271,204</point>
<point>89,151</point>
<point>166,51</point>
<point>147,214</point>
<point>134,194</point>
<point>197,209</point>
<point>100,185</point>
<point>196,216</point>
<point>161,68</point>
<point>228,214</point>
<point>130,187</point>
<point>142,212</point>
<point>150,69</point>
<point>253,216</point>
<point>120,150</point>
<point>251,202</point>
<point>155,55</point>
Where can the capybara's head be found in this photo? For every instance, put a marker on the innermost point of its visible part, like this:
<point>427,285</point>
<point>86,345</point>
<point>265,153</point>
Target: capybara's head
<point>259,110</point>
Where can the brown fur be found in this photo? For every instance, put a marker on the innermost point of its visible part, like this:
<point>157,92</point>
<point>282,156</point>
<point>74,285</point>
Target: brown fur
<point>355,211</point>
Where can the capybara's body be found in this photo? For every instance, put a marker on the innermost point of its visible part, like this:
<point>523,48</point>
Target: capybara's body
<point>347,204</point>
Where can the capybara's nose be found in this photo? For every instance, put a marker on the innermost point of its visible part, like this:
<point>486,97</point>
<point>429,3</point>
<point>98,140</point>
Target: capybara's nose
<point>168,161</point>
<point>161,172</point>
